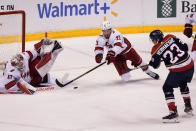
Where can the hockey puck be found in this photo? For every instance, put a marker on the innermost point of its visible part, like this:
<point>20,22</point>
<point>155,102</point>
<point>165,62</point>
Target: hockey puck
<point>75,87</point>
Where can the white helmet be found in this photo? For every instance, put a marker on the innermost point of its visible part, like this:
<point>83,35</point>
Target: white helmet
<point>18,61</point>
<point>106,25</point>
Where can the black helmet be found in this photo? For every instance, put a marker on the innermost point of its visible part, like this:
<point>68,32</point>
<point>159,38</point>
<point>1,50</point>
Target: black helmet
<point>156,35</point>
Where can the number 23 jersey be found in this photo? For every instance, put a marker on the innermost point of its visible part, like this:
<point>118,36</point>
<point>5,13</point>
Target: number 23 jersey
<point>173,52</point>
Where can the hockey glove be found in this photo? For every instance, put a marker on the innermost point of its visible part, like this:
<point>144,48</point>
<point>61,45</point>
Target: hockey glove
<point>188,30</point>
<point>98,58</point>
<point>110,57</point>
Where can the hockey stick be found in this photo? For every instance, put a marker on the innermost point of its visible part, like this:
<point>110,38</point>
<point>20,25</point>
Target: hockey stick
<point>138,67</point>
<point>63,85</point>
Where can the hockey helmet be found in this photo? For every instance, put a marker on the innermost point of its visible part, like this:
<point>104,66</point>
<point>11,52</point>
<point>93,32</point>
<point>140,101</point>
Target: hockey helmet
<point>18,61</point>
<point>106,25</point>
<point>156,35</point>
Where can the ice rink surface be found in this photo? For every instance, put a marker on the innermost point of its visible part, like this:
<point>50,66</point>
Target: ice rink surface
<point>102,102</point>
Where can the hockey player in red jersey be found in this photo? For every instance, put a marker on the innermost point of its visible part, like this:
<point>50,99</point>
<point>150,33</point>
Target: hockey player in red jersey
<point>175,55</point>
<point>190,19</point>
<point>26,70</point>
<point>119,51</point>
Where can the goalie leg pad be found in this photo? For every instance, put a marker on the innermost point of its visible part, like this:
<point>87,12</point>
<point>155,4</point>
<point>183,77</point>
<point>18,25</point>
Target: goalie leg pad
<point>25,87</point>
<point>46,62</point>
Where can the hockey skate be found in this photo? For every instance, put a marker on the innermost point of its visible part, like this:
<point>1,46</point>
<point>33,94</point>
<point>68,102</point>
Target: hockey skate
<point>188,108</point>
<point>172,117</point>
<point>153,75</point>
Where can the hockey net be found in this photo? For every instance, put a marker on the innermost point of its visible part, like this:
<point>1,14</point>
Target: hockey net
<point>12,34</point>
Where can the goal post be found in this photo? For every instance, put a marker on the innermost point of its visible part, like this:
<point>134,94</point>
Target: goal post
<point>12,27</point>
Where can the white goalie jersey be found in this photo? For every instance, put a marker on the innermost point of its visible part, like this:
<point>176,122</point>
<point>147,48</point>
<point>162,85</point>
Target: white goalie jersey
<point>190,18</point>
<point>115,43</point>
<point>12,74</point>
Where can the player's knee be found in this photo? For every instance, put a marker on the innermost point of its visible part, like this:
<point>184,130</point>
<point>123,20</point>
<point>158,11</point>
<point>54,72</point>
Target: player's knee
<point>184,88</point>
<point>168,90</point>
<point>126,76</point>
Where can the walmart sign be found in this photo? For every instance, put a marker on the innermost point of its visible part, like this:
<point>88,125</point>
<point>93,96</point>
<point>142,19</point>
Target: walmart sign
<point>47,10</point>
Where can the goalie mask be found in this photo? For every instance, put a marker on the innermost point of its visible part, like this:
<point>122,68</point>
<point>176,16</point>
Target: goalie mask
<point>18,61</point>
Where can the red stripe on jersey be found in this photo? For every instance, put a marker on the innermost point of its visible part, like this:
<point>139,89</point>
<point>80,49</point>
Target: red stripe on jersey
<point>31,55</point>
<point>157,46</point>
<point>98,48</point>
<point>184,68</point>
<point>10,84</point>
<point>128,45</point>
<point>12,70</point>
<point>118,44</point>
<point>23,88</point>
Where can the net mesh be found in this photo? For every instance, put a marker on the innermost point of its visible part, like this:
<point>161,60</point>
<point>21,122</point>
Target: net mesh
<point>11,30</point>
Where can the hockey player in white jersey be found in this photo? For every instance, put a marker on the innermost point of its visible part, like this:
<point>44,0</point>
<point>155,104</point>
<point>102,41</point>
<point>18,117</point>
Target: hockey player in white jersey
<point>190,19</point>
<point>26,70</point>
<point>119,51</point>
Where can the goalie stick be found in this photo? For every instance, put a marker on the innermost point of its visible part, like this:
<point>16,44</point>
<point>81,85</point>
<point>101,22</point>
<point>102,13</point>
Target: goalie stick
<point>60,84</point>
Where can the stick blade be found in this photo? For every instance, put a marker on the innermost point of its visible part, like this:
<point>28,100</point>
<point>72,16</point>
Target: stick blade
<point>59,83</point>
